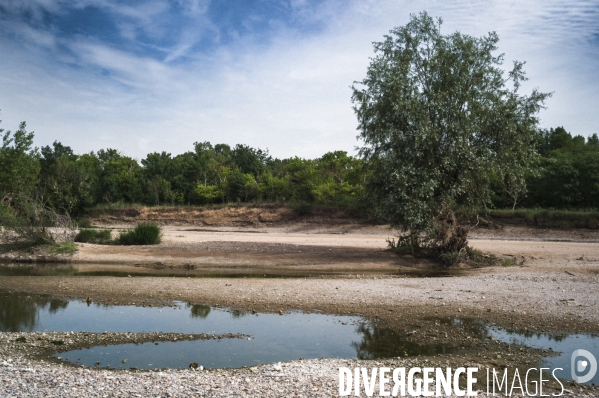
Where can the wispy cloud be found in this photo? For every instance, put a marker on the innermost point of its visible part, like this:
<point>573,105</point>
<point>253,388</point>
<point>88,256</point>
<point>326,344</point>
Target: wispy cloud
<point>277,74</point>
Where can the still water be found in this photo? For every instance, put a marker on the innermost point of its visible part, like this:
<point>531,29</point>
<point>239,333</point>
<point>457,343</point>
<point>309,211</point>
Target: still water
<point>273,337</point>
<point>562,344</point>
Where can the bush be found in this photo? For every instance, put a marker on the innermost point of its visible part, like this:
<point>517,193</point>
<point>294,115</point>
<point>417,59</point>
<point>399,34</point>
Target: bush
<point>67,248</point>
<point>93,236</point>
<point>84,223</point>
<point>142,234</point>
<point>301,208</point>
<point>27,222</point>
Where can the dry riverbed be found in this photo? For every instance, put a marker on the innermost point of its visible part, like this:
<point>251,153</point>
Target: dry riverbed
<point>552,287</point>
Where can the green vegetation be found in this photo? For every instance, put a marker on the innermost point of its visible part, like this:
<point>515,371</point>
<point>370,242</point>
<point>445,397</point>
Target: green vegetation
<point>142,234</point>
<point>442,133</point>
<point>67,248</point>
<point>84,223</point>
<point>212,175</point>
<point>100,236</point>
<point>566,175</point>
<point>508,262</point>
<point>438,124</point>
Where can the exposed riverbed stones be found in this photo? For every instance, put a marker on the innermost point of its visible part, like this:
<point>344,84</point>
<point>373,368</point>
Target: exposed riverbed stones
<point>44,345</point>
<point>23,376</point>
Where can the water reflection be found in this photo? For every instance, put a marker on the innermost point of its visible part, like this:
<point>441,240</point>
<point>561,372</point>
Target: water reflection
<point>563,344</point>
<point>380,342</point>
<point>26,269</point>
<point>274,337</point>
<point>20,312</point>
<point>199,311</point>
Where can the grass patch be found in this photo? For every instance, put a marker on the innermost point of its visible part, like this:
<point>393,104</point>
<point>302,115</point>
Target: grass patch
<point>143,234</point>
<point>99,236</point>
<point>473,257</point>
<point>508,262</point>
<point>63,248</point>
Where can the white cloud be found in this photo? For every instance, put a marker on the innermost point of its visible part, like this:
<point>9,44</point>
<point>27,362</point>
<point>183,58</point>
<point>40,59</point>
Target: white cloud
<point>195,7</point>
<point>292,95</point>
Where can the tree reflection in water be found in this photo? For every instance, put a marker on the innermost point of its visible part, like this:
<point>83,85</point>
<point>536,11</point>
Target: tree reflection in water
<point>20,312</point>
<point>199,311</point>
<point>36,269</point>
<point>387,343</point>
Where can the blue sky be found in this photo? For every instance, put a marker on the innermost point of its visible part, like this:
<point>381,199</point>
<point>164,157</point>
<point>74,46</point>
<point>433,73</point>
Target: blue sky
<point>153,75</point>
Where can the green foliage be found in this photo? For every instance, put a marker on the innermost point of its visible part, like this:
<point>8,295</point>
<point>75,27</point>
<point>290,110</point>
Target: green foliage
<point>67,248</point>
<point>508,262</point>
<point>99,236</point>
<point>301,208</point>
<point>27,222</point>
<point>209,193</point>
<point>142,234</point>
<point>449,166</point>
<point>19,164</point>
<point>569,174</point>
<point>437,121</point>
<point>84,223</point>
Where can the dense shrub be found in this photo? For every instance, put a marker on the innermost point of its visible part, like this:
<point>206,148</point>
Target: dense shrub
<point>142,234</point>
<point>93,236</point>
<point>84,223</point>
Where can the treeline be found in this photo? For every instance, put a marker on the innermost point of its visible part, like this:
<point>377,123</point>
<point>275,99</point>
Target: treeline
<point>72,183</point>
<point>566,177</point>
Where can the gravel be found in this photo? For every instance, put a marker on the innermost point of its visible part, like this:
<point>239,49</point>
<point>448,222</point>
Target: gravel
<point>23,377</point>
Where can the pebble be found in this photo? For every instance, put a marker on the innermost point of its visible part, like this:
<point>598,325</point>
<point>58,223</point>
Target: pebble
<point>27,377</point>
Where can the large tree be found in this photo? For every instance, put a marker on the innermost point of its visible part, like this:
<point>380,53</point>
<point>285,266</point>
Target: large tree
<point>438,121</point>
<point>19,164</point>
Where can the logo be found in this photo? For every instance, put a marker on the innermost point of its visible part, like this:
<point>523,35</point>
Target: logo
<point>578,365</point>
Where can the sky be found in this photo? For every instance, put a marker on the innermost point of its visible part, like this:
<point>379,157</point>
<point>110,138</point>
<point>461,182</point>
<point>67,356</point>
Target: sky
<point>147,76</point>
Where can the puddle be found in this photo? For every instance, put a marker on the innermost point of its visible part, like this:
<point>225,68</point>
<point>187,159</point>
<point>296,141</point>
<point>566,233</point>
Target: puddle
<point>274,337</point>
<point>73,269</point>
<point>562,344</point>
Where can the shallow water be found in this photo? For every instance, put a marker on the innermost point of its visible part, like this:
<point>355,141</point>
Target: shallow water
<point>562,344</point>
<point>273,337</point>
<point>74,269</point>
